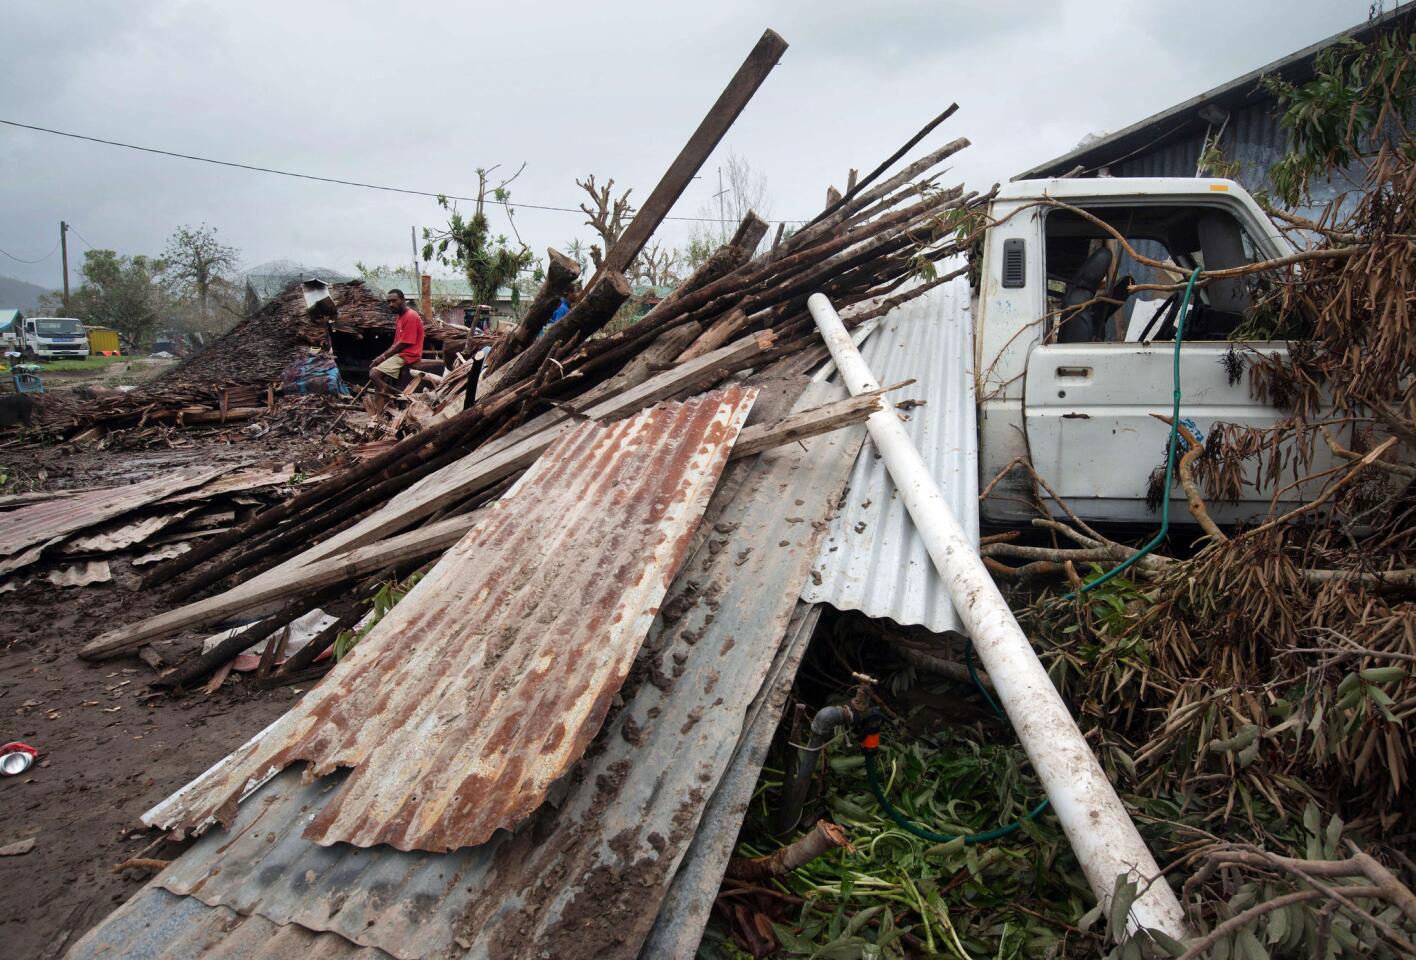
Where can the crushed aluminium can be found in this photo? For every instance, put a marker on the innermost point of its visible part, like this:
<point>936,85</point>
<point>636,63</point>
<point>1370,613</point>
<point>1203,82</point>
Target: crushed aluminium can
<point>16,758</point>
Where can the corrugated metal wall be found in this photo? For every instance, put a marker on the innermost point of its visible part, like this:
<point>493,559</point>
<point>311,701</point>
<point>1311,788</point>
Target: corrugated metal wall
<point>1252,137</point>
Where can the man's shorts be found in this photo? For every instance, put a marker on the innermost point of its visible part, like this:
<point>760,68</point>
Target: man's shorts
<point>392,367</point>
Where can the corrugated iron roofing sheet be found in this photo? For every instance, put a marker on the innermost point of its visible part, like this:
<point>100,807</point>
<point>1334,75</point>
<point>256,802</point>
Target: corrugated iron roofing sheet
<point>873,559</point>
<point>120,534</point>
<point>80,573</point>
<point>488,680</point>
<point>684,912</point>
<point>237,481</point>
<point>49,520</point>
<point>585,875</point>
<point>157,925</point>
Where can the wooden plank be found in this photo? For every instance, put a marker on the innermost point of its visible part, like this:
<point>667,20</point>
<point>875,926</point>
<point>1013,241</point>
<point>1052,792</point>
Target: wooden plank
<point>414,545</point>
<point>807,423</point>
<point>725,110</point>
<point>723,329</point>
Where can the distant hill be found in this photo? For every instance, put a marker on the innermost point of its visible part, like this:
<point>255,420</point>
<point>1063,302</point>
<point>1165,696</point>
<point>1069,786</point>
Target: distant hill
<point>19,295</point>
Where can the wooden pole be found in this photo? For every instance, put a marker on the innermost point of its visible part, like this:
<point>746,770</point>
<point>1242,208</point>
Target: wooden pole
<point>64,246</point>
<point>561,274</point>
<point>725,110</point>
<point>591,312</point>
<point>425,296</point>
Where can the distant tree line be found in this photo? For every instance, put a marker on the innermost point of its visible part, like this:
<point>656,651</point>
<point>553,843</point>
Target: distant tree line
<point>191,287</point>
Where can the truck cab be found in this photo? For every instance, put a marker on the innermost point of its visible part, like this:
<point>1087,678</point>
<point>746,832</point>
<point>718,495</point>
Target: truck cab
<point>1078,398</point>
<point>54,338</point>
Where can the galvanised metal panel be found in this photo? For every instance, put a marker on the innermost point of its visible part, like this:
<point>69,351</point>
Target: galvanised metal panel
<point>157,925</point>
<point>48,521</point>
<point>119,535</point>
<point>873,559</point>
<point>684,912</point>
<point>488,680</point>
<point>585,875</point>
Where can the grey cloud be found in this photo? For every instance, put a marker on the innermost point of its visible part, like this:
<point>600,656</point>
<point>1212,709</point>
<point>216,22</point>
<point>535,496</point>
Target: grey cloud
<point>420,97</point>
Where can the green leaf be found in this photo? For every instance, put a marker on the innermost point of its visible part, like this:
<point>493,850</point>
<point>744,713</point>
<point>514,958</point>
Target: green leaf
<point>1277,927</point>
<point>1166,942</point>
<point>1090,917</point>
<point>1383,674</point>
<point>1249,946</point>
<point>795,943</point>
<point>862,918</point>
<point>1333,834</point>
<point>1123,895</point>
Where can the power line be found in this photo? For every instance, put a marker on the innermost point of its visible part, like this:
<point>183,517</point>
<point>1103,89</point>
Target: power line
<point>75,232</point>
<point>40,260</point>
<point>309,176</point>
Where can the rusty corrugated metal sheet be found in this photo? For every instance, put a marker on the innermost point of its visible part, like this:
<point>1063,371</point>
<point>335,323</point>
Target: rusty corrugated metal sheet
<point>50,520</point>
<point>157,925</point>
<point>489,679</point>
<point>585,875</point>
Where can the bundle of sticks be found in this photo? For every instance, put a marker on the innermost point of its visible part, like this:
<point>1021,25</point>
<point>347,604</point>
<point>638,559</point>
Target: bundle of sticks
<point>743,309</point>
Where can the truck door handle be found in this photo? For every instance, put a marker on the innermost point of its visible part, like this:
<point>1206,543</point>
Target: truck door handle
<point>1083,373</point>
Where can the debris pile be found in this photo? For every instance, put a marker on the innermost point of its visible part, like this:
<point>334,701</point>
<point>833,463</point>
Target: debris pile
<point>608,540</point>
<point>74,538</point>
<point>284,349</point>
<point>560,605</point>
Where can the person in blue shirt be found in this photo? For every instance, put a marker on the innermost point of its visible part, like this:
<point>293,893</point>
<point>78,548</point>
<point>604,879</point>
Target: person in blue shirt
<point>567,299</point>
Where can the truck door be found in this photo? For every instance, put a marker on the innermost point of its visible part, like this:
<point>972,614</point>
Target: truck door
<point>1094,383</point>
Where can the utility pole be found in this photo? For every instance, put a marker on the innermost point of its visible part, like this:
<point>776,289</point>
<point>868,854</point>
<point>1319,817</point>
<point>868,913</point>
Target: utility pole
<point>64,246</point>
<point>722,217</point>
<point>413,238</point>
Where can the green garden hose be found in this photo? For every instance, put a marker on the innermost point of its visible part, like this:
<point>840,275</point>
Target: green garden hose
<point>1169,453</point>
<point>870,745</point>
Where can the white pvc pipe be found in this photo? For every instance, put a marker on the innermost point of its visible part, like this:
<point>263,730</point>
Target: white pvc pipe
<point>1101,832</point>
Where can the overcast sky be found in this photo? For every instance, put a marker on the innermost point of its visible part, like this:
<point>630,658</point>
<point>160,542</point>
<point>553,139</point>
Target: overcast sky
<point>418,96</point>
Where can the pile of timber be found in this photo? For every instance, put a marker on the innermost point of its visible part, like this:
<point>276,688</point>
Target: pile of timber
<point>743,310</point>
<point>239,375</point>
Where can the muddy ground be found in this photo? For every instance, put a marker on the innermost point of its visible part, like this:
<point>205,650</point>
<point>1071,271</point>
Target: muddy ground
<point>107,753</point>
<point>108,750</point>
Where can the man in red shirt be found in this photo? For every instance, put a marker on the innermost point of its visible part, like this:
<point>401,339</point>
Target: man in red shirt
<point>407,344</point>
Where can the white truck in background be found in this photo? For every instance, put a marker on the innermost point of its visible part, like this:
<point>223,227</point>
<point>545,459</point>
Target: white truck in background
<point>1078,400</point>
<point>53,338</point>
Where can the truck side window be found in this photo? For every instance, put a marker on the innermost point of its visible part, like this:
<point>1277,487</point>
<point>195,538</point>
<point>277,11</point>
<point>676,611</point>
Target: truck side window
<point>1089,273</point>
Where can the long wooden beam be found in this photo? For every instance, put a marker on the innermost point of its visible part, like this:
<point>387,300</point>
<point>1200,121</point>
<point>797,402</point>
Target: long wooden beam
<point>413,545</point>
<point>695,152</point>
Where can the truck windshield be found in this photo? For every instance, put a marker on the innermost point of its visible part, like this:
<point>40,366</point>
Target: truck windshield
<point>52,326</point>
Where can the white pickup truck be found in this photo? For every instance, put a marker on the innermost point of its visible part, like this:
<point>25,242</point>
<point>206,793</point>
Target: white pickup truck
<point>1077,399</point>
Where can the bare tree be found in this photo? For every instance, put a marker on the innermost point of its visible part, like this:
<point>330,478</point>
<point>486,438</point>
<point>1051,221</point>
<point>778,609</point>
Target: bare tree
<point>744,189</point>
<point>608,217</point>
<point>737,189</point>
<point>657,266</point>
<point>196,265</point>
